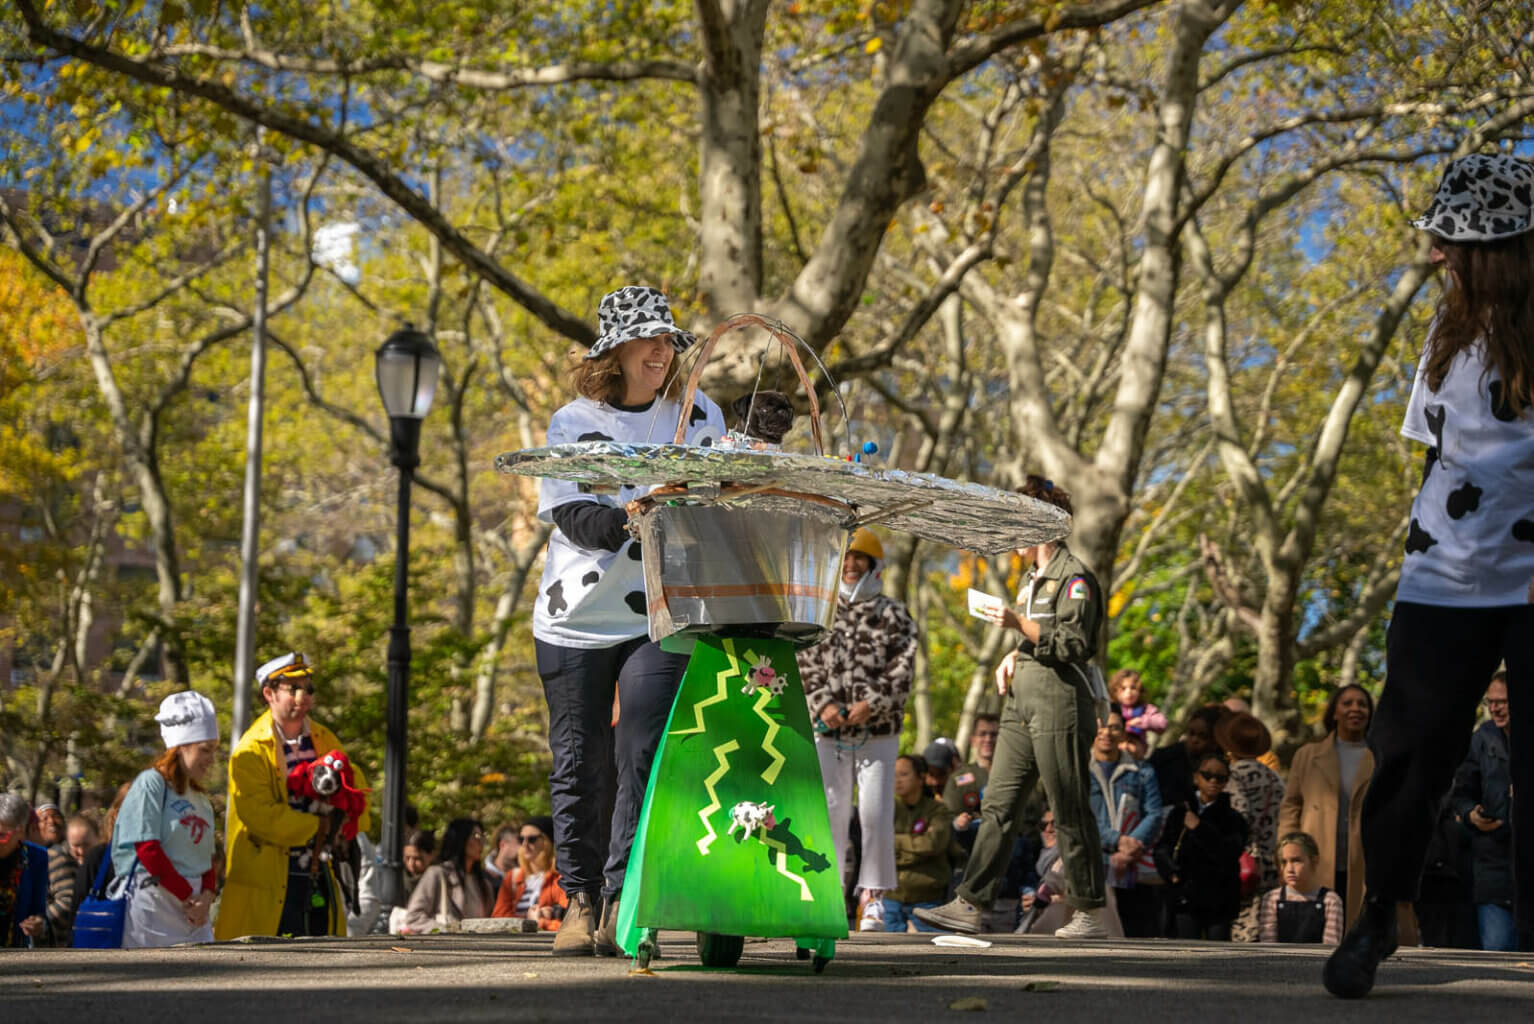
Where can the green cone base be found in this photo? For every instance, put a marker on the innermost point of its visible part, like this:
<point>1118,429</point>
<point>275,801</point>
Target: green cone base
<point>724,747</point>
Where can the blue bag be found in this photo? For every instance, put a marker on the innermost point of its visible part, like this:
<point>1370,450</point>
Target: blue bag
<point>100,917</point>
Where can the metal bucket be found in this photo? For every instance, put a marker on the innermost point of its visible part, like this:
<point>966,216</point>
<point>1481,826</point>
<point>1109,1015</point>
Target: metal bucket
<point>771,567</point>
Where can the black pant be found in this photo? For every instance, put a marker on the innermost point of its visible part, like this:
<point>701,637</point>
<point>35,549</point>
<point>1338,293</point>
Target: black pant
<point>1439,663</point>
<point>578,685</point>
<point>1137,910</point>
<point>302,913</point>
<point>1190,925</point>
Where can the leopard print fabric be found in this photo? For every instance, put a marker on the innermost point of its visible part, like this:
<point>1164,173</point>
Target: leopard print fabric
<point>869,654</point>
<point>1257,794</point>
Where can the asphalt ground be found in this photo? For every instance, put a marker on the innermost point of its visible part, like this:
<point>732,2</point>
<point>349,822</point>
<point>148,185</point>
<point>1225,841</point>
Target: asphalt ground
<point>470,978</point>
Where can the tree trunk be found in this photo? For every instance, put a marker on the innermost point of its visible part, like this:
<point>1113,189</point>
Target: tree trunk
<point>730,155</point>
<point>145,471</point>
<point>505,608</point>
<point>921,685</point>
<point>1105,500</point>
<point>1275,655</point>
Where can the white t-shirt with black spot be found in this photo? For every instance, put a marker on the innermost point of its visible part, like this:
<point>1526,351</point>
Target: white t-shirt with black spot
<point>1471,539</point>
<point>593,598</point>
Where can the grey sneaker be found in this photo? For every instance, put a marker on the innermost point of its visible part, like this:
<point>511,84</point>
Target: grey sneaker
<point>1084,924</point>
<point>957,915</point>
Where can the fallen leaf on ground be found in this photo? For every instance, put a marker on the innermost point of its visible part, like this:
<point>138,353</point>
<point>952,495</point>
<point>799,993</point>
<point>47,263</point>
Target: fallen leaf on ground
<point>1041,986</point>
<point>399,949</point>
<point>968,1003</point>
<point>641,972</point>
<point>529,974</point>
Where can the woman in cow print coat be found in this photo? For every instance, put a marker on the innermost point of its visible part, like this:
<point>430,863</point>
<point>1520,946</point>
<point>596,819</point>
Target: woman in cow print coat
<point>1463,603</point>
<point>590,628</point>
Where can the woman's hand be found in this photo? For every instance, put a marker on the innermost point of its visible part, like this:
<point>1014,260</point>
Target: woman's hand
<point>859,713</point>
<point>197,907</point>
<point>33,927</point>
<point>1004,673</point>
<point>832,715</point>
<point>1190,821</point>
<point>1003,616</point>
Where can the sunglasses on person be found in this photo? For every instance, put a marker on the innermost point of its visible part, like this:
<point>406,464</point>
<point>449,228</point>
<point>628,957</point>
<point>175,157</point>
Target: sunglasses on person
<point>1047,823</point>
<point>296,688</point>
<point>530,837</point>
<point>1221,777</point>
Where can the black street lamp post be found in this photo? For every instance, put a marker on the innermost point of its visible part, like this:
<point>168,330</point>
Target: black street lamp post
<point>407,368</point>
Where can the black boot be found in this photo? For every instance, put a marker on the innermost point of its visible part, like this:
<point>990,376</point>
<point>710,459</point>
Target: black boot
<point>1349,973</point>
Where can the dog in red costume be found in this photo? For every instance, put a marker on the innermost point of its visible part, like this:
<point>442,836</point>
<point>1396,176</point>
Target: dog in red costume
<point>330,779</point>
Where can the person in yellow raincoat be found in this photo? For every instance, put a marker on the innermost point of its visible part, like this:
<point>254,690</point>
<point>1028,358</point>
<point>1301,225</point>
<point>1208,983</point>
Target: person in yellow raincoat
<point>269,887</point>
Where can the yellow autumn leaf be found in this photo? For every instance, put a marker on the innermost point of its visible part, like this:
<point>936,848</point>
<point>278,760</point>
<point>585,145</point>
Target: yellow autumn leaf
<point>873,45</point>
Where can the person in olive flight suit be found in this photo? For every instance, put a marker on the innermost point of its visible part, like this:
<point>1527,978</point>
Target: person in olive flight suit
<point>1052,696</point>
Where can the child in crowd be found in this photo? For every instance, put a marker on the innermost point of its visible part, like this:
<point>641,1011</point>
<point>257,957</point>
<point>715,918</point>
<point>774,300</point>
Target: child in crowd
<point>1199,855</point>
<point>1299,910</point>
<point>1140,716</point>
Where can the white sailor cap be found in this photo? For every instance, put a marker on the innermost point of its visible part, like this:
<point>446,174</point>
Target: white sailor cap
<point>290,664</point>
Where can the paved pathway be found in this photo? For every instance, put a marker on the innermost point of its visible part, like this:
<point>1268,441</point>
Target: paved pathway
<point>470,978</point>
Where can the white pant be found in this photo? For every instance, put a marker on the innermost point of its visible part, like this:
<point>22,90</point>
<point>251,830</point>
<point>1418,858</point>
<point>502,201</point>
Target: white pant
<point>155,918</point>
<point>872,766</point>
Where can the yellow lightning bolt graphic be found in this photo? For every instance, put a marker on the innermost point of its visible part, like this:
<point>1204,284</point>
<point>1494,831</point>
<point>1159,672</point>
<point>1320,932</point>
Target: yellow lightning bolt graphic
<point>721,752</point>
<point>771,774</point>
<point>804,888</point>
<point>721,694</point>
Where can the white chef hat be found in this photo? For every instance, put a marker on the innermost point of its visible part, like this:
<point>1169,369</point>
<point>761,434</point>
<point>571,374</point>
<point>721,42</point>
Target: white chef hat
<point>187,717</point>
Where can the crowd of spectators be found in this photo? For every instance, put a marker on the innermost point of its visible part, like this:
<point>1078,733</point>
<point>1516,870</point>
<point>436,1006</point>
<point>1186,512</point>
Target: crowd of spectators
<point>1206,837</point>
<point>1201,838</point>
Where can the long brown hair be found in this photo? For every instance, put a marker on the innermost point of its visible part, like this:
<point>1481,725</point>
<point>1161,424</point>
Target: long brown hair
<point>173,771</point>
<point>601,379</point>
<point>1488,295</point>
<point>1045,490</point>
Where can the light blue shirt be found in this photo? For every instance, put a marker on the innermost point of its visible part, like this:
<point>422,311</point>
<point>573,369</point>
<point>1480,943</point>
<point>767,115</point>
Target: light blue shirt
<point>182,822</point>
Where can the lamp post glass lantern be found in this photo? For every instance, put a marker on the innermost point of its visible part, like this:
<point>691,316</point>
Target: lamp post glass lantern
<point>407,367</point>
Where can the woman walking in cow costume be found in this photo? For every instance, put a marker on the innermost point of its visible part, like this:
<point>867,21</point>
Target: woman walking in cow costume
<point>1463,603</point>
<point>589,625</point>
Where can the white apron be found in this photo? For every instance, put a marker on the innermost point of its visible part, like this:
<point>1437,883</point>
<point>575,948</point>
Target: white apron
<point>155,918</point>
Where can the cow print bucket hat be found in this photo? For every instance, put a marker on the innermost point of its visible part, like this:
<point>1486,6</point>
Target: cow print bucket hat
<point>1481,199</point>
<point>635,312</point>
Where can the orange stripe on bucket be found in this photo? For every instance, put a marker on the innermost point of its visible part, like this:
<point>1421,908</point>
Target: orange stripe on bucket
<point>750,590</point>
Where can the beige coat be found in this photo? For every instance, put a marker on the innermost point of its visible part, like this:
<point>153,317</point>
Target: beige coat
<point>1310,805</point>
<point>444,897</point>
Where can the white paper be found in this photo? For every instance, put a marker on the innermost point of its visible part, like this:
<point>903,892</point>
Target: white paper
<point>981,603</point>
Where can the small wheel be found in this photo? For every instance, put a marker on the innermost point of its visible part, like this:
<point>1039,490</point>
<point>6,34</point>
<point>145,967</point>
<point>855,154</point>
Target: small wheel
<point>716,950</point>
<point>800,953</point>
<point>819,964</point>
